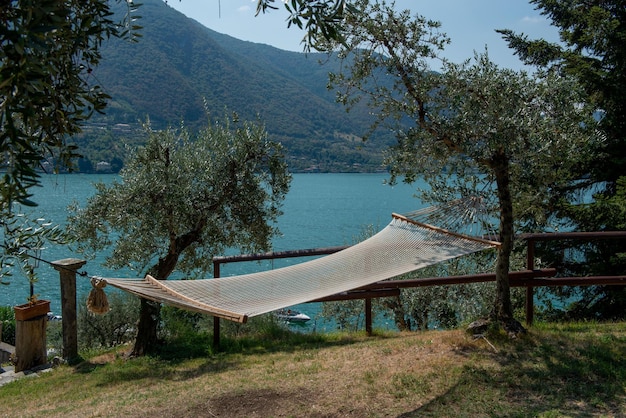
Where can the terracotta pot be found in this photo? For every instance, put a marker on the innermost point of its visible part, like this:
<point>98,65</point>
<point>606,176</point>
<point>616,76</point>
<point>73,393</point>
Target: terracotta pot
<point>29,311</point>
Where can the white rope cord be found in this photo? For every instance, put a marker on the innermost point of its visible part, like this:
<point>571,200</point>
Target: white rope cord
<point>406,244</point>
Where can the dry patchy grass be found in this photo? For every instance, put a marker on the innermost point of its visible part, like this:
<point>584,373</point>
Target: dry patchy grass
<point>551,372</point>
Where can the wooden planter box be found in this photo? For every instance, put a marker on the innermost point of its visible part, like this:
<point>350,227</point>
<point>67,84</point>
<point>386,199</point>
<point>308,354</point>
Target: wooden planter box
<point>29,311</point>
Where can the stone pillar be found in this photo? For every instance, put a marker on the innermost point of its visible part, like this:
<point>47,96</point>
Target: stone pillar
<point>67,269</point>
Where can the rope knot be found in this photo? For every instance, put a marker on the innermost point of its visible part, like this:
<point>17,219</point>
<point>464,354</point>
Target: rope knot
<point>97,301</point>
<point>98,283</point>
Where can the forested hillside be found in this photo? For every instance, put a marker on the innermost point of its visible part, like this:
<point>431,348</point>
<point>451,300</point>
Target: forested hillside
<point>178,67</point>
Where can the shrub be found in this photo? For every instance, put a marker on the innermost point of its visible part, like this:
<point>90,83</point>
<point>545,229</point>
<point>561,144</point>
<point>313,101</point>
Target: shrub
<point>111,329</point>
<point>7,317</point>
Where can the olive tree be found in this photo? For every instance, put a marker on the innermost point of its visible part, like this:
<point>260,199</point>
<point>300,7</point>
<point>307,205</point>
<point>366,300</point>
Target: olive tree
<point>182,199</point>
<point>471,128</point>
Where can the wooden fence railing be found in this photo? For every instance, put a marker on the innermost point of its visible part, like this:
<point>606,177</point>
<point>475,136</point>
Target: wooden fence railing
<point>529,278</point>
<point>532,239</point>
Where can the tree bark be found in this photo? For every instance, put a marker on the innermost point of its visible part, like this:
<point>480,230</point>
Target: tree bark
<point>149,317</point>
<point>150,313</point>
<point>503,310</point>
<point>147,326</point>
<point>395,305</point>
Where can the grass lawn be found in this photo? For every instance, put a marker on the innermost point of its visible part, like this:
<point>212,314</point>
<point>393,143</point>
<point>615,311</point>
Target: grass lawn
<point>556,370</point>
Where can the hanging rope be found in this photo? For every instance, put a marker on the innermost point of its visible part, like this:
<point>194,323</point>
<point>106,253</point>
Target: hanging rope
<point>97,301</point>
<point>56,266</point>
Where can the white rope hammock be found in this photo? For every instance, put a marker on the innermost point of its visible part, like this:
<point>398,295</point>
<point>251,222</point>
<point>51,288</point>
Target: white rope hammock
<point>406,244</point>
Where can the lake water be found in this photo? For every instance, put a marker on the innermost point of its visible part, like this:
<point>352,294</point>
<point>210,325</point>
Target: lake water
<point>321,210</point>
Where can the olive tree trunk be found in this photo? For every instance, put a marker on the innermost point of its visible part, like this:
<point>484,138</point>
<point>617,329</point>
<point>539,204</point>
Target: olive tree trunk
<point>150,313</point>
<point>503,309</point>
<point>147,327</point>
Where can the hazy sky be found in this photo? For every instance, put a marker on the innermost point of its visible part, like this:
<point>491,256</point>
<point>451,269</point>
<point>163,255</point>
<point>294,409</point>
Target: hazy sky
<point>470,24</point>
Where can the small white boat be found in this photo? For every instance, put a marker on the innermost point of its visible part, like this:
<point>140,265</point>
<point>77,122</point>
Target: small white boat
<point>53,317</point>
<point>290,315</point>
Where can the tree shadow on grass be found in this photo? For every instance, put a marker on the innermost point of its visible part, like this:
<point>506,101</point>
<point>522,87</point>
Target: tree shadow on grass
<point>120,370</point>
<point>165,362</point>
<point>564,373</point>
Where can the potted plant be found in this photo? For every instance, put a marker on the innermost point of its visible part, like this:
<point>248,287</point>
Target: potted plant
<point>24,240</point>
<point>31,309</point>
<point>34,307</point>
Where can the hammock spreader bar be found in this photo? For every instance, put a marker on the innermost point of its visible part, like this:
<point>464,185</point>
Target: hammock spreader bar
<point>445,231</point>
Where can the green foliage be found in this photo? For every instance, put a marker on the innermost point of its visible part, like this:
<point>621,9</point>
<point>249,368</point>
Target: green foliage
<point>23,239</point>
<point>179,324</point>
<point>183,199</point>
<point>116,327</point>
<point>262,334</point>
<point>347,314</point>
<point>54,338</point>
<point>476,129</point>
<point>590,258</point>
<point>49,50</point>
<point>108,145</point>
<point>47,91</point>
<point>191,333</point>
<point>430,307</point>
<point>593,50</point>
<point>535,128</point>
<point>470,122</point>
<point>287,90</point>
<point>321,19</point>
<point>450,306</point>
<point>7,318</point>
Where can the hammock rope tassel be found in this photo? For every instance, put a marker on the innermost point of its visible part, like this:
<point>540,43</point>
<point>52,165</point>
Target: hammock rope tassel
<point>97,301</point>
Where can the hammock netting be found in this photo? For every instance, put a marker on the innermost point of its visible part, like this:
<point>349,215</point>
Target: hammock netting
<point>406,244</point>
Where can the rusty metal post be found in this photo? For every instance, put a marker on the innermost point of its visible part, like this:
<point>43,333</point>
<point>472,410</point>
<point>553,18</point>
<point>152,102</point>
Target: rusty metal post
<point>67,269</point>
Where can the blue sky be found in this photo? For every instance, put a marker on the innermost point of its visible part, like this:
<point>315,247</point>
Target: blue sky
<point>470,24</point>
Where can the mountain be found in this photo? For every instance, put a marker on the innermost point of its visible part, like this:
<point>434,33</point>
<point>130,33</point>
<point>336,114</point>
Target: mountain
<point>179,66</point>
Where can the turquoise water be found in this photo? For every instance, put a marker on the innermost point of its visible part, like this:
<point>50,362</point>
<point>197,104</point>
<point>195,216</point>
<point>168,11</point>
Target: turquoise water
<point>321,210</point>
